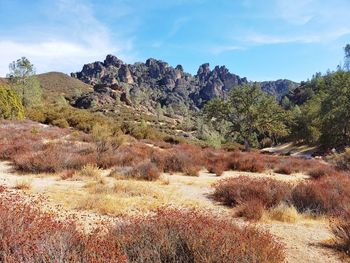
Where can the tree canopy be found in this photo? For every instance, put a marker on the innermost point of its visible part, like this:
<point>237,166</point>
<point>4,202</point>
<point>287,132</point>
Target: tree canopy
<point>22,78</point>
<point>10,104</point>
<point>249,114</point>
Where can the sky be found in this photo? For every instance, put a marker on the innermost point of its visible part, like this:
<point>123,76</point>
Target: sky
<point>260,40</point>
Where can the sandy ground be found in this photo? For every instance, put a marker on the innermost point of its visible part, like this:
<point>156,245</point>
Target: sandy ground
<point>303,151</point>
<point>303,239</point>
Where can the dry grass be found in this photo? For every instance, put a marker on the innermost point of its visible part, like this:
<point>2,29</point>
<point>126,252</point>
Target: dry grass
<point>282,213</point>
<point>91,171</point>
<point>121,197</point>
<point>23,184</point>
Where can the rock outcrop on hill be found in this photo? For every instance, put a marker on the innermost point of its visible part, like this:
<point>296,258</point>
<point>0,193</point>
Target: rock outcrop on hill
<point>155,82</point>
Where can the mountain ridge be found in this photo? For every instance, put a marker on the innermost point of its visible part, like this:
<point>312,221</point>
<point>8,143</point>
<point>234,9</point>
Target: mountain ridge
<point>156,82</point>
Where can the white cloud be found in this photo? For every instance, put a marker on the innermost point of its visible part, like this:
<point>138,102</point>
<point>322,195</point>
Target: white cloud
<point>300,21</point>
<point>298,12</point>
<point>79,38</point>
<point>221,49</point>
<point>321,36</point>
<point>52,55</point>
<point>177,25</point>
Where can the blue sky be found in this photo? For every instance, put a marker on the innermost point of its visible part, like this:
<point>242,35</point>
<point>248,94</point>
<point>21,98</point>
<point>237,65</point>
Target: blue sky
<point>262,40</point>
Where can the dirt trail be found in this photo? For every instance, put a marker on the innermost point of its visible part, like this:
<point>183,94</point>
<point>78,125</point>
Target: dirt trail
<point>302,239</point>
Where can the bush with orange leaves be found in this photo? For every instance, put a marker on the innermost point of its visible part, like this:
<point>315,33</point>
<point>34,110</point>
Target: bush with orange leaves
<point>237,191</point>
<point>28,235</point>
<point>251,195</point>
<point>183,158</point>
<point>172,235</point>
<point>326,195</point>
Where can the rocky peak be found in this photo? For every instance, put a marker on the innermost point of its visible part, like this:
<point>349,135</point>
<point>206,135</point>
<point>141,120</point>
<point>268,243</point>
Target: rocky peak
<point>160,83</point>
<point>124,74</point>
<point>113,61</point>
<point>203,71</point>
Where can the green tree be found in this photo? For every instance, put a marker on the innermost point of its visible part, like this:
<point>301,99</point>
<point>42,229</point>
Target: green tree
<point>23,80</point>
<point>306,123</point>
<point>249,113</point>
<point>10,104</point>
<point>335,110</point>
<point>347,57</point>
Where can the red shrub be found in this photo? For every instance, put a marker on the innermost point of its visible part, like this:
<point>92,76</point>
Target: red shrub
<point>248,162</point>
<point>190,236</point>
<point>340,227</point>
<point>217,168</point>
<point>251,210</point>
<point>146,171</point>
<point>27,235</point>
<point>328,194</point>
<point>321,170</point>
<point>216,161</point>
<point>66,174</point>
<point>192,170</point>
<point>238,191</point>
<point>131,155</point>
<point>181,158</point>
<point>284,168</point>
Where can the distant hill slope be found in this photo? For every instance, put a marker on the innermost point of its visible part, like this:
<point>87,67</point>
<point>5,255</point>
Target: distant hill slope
<point>55,84</point>
<point>156,82</point>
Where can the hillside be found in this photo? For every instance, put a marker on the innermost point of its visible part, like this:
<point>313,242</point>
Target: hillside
<point>55,84</point>
<point>155,82</point>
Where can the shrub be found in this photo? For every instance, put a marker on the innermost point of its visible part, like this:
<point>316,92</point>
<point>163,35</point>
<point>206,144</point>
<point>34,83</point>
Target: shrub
<point>171,235</point>
<point>321,170</point>
<point>251,210</point>
<point>67,174</point>
<point>327,195</point>
<point>240,190</point>
<point>342,161</point>
<point>290,165</point>
<point>28,235</point>
<point>43,149</point>
<point>216,161</point>
<point>90,170</point>
<point>192,170</point>
<point>52,158</point>
<point>182,158</point>
<point>340,227</point>
<point>62,123</point>
<point>146,171</point>
<point>23,184</point>
<point>248,162</point>
<point>284,168</point>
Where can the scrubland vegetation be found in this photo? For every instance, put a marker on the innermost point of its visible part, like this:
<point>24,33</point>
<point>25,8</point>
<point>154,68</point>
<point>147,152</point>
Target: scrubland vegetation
<point>169,235</point>
<point>38,149</point>
<point>122,160</point>
<point>28,235</point>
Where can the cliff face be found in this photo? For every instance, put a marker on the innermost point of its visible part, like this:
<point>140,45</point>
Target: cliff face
<point>166,85</point>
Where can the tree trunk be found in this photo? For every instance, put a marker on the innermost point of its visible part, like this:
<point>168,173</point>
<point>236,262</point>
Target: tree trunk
<point>246,145</point>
